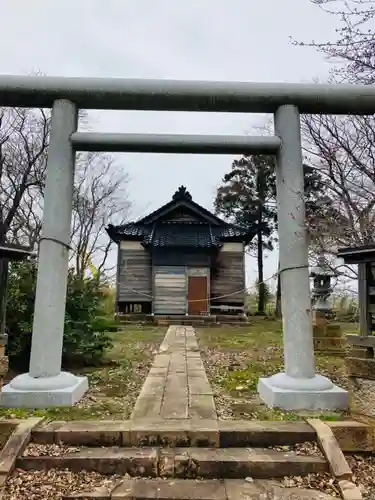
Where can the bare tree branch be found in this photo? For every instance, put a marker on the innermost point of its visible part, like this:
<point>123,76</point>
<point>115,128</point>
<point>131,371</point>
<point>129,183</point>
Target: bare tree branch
<point>100,194</point>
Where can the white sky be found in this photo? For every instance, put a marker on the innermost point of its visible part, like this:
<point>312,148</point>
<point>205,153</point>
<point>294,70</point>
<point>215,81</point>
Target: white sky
<point>242,40</point>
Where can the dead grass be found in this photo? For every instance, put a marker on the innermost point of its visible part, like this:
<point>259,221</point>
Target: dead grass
<point>114,386</point>
<point>235,358</point>
<point>53,484</point>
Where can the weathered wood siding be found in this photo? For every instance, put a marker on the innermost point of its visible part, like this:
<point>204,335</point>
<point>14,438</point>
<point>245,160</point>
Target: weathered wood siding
<point>134,273</point>
<point>228,276</point>
<point>182,216</point>
<point>178,257</point>
<point>169,290</point>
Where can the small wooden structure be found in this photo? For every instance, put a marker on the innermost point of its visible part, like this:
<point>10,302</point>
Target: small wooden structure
<point>8,253</point>
<point>180,260</point>
<point>360,360</point>
<point>365,258</point>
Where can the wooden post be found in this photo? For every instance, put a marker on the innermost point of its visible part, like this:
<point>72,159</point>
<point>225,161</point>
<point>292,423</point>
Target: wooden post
<point>364,326</point>
<point>3,359</point>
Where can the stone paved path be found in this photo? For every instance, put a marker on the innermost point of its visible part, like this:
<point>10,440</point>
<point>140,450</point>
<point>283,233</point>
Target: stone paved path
<point>177,386</point>
<point>175,447</point>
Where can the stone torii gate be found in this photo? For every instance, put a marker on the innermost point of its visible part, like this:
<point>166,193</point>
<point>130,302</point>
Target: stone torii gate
<point>299,387</point>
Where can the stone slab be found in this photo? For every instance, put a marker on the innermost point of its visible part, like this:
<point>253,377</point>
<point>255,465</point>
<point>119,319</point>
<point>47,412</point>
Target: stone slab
<point>263,433</point>
<point>161,361</point>
<point>177,386</point>
<point>199,384</point>
<point>292,399</point>
<point>195,364</point>
<point>175,405</point>
<point>349,491</point>
<point>205,433</point>
<point>352,436</point>
<point>183,463</point>
<point>362,399</point>
<point>11,398</point>
<point>153,386</point>
<point>147,407</point>
<point>190,489</point>
<point>360,367</point>
<point>176,489</point>
<point>168,433</point>
<point>15,445</point>
<point>269,490</point>
<point>108,461</point>
<point>330,447</point>
<point>235,463</point>
<point>202,406</point>
<point>85,433</point>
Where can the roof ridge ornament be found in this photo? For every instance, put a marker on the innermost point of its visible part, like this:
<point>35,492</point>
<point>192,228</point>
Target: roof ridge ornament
<point>182,194</point>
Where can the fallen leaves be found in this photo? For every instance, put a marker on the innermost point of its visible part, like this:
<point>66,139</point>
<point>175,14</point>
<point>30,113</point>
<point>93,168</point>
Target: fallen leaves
<point>49,450</point>
<point>52,484</point>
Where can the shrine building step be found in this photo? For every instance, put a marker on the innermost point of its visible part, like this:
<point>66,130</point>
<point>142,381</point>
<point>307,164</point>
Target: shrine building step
<point>190,489</point>
<point>175,433</point>
<point>183,463</point>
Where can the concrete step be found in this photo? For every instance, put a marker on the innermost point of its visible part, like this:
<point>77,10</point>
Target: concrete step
<point>189,489</point>
<point>183,463</point>
<point>183,322</point>
<point>181,433</point>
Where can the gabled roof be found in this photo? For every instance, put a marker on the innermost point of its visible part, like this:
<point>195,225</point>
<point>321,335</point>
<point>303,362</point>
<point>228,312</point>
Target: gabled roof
<point>182,198</point>
<point>204,230</point>
<point>357,255</point>
<point>14,252</point>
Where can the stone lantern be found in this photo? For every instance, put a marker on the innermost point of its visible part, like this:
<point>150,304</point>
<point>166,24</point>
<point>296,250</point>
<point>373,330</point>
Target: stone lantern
<point>322,289</point>
<point>328,337</point>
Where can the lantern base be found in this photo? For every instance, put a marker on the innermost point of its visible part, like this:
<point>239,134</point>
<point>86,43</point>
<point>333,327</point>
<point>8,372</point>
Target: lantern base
<point>317,393</point>
<point>25,391</point>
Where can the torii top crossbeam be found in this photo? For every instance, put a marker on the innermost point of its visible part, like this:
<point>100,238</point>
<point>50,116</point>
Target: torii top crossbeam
<point>175,95</point>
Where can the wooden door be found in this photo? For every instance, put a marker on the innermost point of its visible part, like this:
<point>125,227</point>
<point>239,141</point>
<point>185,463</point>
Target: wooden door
<point>169,290</point>
<point>197,294</point>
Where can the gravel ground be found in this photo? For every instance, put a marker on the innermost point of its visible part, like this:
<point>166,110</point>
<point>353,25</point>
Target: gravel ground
<point>241,402</point>
<point>53,484</point>
<point>113,386</point>
<point>56,483</point>
<point>238,398</point>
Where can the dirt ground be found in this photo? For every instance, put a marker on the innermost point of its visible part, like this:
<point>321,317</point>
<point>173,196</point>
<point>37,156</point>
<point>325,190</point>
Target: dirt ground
<point>114,386</point>
<point>235,358</point>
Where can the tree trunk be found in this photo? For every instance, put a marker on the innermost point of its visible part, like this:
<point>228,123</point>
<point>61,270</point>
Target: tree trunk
<point>278,295</point>
<point>3,284</point>
<point>261,287</point>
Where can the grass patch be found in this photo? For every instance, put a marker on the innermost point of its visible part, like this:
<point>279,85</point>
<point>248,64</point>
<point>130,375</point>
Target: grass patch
<point>113,386</point>
<point>235,359</point>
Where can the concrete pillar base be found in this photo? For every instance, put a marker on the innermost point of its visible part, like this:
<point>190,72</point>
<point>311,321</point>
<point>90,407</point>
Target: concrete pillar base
<point>287,393</point>
<point>25,391</point>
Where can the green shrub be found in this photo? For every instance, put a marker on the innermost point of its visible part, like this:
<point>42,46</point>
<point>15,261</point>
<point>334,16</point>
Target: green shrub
<point>104,324</point>
<point>19,312</point>
<point>85,339</point>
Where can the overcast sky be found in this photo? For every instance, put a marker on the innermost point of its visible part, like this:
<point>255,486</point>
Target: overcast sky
<point>243,40</point>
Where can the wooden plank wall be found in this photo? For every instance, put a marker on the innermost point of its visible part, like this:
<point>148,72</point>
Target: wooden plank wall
<point>180,257</point>
<point>170,290</point>
<point>134,276</point>
<point>228,277</point>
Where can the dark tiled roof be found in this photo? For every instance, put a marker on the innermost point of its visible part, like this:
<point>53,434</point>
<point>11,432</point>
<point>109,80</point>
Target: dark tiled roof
<point>232,231</point>
<point>131,230</point>
<point>191,234</point>
<point>154,231</point>
<point>14,252</point>
<point>182,235</point>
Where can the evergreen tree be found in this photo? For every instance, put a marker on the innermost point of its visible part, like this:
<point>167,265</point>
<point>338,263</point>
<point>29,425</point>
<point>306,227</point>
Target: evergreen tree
<point>247,196</point>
